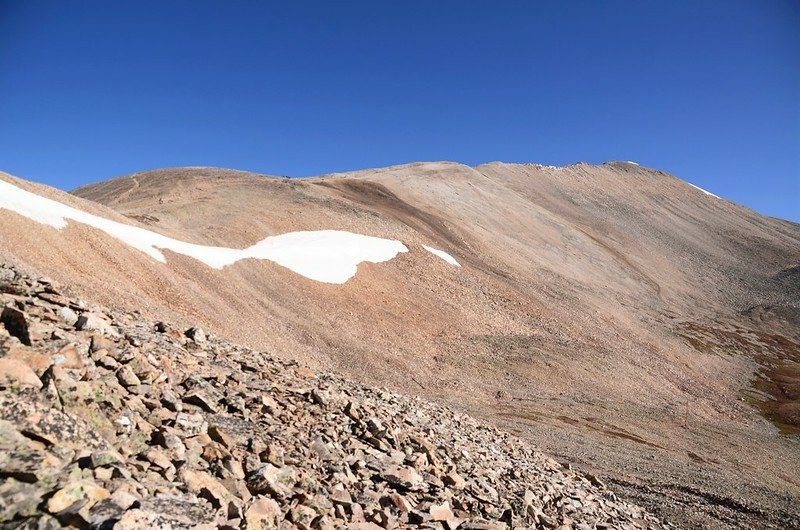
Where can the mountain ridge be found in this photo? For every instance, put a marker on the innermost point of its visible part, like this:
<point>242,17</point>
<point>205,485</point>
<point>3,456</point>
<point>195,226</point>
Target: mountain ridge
<point>593,302</point>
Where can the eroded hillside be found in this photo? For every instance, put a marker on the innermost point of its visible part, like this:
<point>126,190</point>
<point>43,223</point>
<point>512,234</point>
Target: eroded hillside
<point>593,311</point>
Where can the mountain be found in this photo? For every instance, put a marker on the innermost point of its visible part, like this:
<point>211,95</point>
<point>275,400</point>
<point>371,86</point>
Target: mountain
<point>112,421</point>
<point>619,318</point>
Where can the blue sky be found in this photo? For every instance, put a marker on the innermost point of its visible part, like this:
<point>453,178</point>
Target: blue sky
<point>707,90</point>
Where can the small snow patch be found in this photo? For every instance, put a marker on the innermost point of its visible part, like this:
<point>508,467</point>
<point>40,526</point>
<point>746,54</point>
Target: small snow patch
<point>632,163</point>
<point>442,254</point>
<point>329,256</point>
<point>704,191</point>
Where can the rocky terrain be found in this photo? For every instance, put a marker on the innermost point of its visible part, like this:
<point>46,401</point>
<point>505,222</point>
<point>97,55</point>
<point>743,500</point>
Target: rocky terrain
<point>612,315</point>
<point>109,420</point>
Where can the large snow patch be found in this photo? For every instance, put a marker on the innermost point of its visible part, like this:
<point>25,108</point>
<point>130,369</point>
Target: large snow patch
<point>329,256</point>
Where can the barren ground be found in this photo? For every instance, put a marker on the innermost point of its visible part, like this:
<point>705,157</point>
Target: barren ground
<point>620,319</point>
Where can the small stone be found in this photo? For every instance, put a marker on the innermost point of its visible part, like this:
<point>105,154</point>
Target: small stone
<point>67,316</point>
<point>15,372</point>
<point>340,495</point>
<point>454,480</point>
<point>443,513</point>
<point>320,448</point>
<point>100,342</point>
<point>201,399</point>
<point>399,502</point>
<point>190,424</point>
<point>404,477</point>
<point>127,378</point>
<point>267,478</point>
<point>104,513</point>
<point>197,335</point>
<point>263,514</point>
<point>105,458</point>
<point>158,458</point>
<point>75,496</point>
<point>94,322</point>
<point>207,487</point>
<point>124,499</point>
<point>16,322</point>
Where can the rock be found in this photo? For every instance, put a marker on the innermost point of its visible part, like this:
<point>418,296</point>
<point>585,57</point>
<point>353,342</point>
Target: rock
<point>99,342</point>
<point>126,377</point>
<point>75,496</point>
<point>17,373</point>
<point>105,458</point>
<point>16,323</point>
<point>219,435</point>
<point>454,480</point>
<point>197,335</point>
<point>93,322</point>
<point>190,424</point>
<point>67,316</point>
<point>18,499</point>
<point>158,458</point>
<point>404,477</point>
<point>263,514</point>
<point>68,357</point>
<point>268,479</point>
<point>302,516</point>
<point>167,513</point>
<point>340,495</point>
<point>207,487</point>
<point>399,502</point>
<point>201,399</point>
<point>443,513</point>
<point>105,513</point>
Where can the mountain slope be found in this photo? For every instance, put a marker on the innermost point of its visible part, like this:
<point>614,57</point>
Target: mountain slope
<point>597,305</point>
<point>128,424</point>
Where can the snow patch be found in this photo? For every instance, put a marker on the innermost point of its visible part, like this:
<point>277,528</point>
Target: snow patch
<point>442,254</point>
<point>704,191</point>
<point>632,163</point>
<point>329,256</point>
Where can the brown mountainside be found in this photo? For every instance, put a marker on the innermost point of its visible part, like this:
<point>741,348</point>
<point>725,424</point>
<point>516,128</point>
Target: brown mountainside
<point>621,319</point>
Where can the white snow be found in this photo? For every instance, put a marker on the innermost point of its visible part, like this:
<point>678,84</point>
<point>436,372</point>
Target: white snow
<point>442,254</point>
<point>630,162</point>
<point>704,191</point>
<point>329,256</point>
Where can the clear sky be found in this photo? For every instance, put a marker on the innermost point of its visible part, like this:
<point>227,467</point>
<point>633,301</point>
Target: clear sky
<point>707,90</point>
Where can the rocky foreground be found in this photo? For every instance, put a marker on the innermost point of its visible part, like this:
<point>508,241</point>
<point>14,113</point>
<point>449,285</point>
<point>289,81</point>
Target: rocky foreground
<point>108,420</point>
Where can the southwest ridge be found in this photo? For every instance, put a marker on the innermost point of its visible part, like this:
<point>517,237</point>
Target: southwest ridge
<point>328,256</point>
<point>612,315</point>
